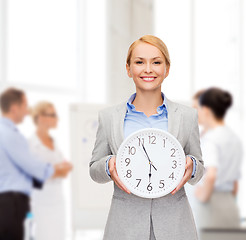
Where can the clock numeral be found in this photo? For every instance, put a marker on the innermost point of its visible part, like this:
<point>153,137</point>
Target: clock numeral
<point>128,173</point>
<point>162,185</point>
<point>132,150</point>
<point>139,181</point>
<point>174,164</point>
<point>172,176</point>
<point>149,187</point>
<point>173,151</point>
<point>152,140</point>
<point>164,143</point>
<point>127,161</point>
<point>140,141</point>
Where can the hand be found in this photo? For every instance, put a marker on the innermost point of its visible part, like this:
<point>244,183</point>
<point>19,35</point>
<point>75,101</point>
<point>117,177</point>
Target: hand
<point>187,174</point>
<point>199,193</point>
<point>62,169</point>
<point>148,157</point>
<point>114,175</point>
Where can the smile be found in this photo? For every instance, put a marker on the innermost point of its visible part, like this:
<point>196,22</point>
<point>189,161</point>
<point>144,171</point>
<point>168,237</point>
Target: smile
<point>148,79</point>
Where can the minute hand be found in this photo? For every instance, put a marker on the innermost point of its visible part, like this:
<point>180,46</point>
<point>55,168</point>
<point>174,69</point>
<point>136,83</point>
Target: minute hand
<point>148,157</point>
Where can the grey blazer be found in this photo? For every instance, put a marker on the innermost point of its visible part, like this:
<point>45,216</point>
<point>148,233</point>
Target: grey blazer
<point>130,216</point>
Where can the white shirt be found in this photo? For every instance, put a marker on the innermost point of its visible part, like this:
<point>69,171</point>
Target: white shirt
<point>52,191</point>
<point>48,204</point>
<point>222,149</point>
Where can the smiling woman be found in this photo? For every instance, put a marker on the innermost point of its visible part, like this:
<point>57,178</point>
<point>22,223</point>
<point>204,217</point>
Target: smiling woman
<point>131,216</point>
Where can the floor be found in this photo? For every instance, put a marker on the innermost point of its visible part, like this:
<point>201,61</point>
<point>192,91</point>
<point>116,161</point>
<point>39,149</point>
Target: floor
<point>89,235</point>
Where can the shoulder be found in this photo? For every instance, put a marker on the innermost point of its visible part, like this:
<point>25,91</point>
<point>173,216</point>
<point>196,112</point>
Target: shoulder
<point>9,135</point>
<point>35,144</point>
<point>232,136</point>
<point>110,111</point>
<point>33,140</point>
<point>186,111</point>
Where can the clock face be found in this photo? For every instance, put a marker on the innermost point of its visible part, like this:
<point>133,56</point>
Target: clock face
<point>150,163</point>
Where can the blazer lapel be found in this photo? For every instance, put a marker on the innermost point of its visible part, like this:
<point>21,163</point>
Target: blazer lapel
<point>118,125</point>
<point>174,118</point>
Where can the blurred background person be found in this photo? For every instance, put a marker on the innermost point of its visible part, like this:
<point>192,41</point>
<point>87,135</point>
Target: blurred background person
<point>222,154</point>
<point>48,205</point>
<point>18,167</point>
<point>190,189</point>
<point>195,104</point>
<point>195,98</point>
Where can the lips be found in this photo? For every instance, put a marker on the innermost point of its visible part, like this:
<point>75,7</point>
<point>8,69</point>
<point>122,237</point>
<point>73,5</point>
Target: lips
<point>148,79</point>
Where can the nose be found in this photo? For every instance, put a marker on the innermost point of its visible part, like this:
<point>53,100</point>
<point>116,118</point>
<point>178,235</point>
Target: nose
<point>148,68</point>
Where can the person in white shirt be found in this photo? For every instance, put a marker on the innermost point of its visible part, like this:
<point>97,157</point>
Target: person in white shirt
<point>222,154</point>
<point>48,204</point>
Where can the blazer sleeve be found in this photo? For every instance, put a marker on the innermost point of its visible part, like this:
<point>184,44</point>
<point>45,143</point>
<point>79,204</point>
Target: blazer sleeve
<point>193,148</point>
<point>100,154</point>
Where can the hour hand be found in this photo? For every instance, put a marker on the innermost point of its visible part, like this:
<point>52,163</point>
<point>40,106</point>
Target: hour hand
<point>153,166</point>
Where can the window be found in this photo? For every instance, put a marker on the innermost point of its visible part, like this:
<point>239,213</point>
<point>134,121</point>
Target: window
<point>42,42</point>
<point>205,40</point>
<point>55,50</point>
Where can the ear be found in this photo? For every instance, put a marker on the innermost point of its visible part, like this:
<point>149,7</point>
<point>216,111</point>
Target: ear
<point>207,111</point>
<point>128,71</point>
<point>13,108</point>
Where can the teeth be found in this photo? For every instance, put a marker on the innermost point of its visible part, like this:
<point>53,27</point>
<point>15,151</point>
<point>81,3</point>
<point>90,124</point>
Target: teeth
<point>148,79</point>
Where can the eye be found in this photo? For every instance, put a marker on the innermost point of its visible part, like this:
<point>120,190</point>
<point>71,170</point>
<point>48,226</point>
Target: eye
<point>139,62</point>
<point>157,62</point>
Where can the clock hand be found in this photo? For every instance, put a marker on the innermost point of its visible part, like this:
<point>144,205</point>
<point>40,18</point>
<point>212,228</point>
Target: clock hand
<point>149,172</point>
<point>148,157</point>
<point>153,166</point>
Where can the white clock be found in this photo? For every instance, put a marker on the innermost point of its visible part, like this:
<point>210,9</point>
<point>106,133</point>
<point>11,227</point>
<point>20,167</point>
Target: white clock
<point>150,163</point>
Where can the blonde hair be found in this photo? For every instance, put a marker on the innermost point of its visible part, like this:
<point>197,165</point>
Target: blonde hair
<point>155,41</point>
<point>39,109</point>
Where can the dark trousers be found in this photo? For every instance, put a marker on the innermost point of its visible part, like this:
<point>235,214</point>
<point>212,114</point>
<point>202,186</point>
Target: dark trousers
<point>13,209</point>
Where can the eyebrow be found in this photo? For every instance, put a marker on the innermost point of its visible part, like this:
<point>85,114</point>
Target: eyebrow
<point>151,58</point>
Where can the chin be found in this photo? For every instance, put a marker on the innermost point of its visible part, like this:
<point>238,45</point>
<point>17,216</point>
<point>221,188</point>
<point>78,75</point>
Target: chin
<point>149,88</point>
<point>20,121</point>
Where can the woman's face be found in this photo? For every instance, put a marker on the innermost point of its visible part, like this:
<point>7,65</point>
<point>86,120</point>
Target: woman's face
<point>49,118</point>
<point>147,68</point>
<point>204,115</point>
<point>195,104</point>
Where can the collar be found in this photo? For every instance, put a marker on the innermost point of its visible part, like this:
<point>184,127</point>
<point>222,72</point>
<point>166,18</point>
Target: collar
<point>160,109</point>
<point>35,140</point>
<point>8,122</point>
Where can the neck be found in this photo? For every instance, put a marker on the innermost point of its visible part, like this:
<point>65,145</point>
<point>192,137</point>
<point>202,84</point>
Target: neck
<point>147,102</point>
<point>11,117</point>
<point>215,123</point>
<point>42,132</point>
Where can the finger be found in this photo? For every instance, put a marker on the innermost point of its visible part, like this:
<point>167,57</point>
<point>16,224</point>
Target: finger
<point>115,177</point>
<point>119,183</point>
<point>183,181</point>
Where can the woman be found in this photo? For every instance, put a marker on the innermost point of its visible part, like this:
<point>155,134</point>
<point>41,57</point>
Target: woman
<point>48,204</point>
<point>132,217</point>
<point>222,153</point>
<point>189,189</point>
